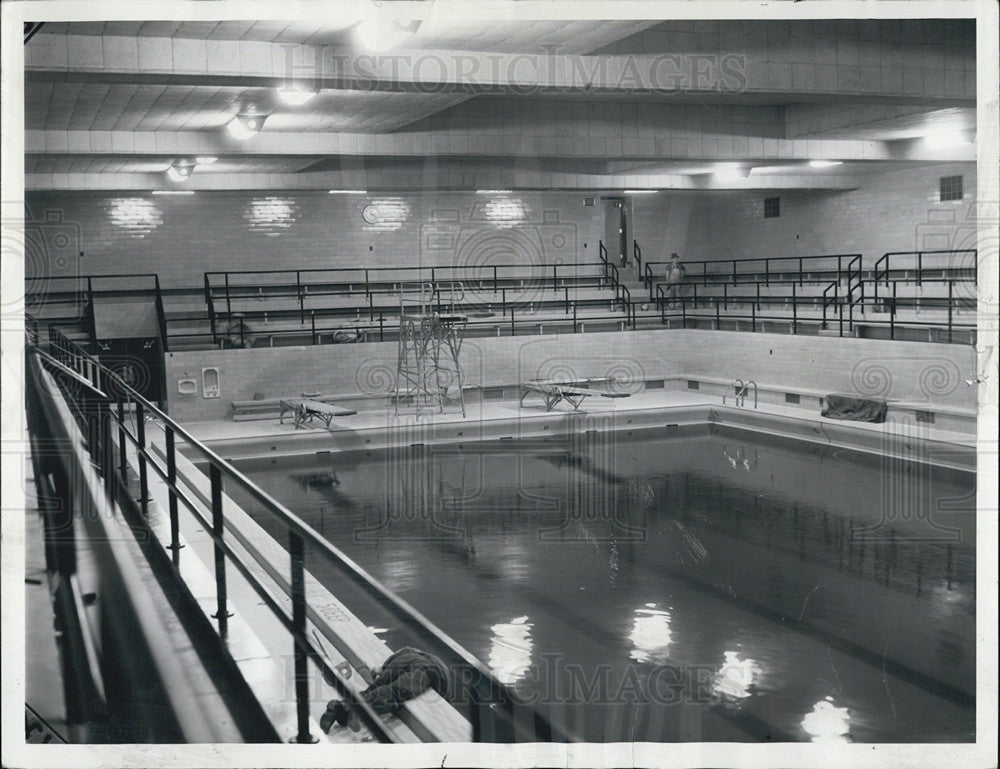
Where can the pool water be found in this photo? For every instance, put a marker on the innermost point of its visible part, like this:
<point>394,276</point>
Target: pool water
<point>702,583</point>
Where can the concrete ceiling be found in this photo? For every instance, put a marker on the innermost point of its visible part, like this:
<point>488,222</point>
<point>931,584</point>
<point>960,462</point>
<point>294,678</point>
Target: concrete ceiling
<point>426,97</point>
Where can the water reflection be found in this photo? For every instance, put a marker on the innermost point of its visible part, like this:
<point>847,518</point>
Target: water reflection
<point>510,649</point>
<point>827,722</point>
<point>734,679</point>
<point>651,634</point>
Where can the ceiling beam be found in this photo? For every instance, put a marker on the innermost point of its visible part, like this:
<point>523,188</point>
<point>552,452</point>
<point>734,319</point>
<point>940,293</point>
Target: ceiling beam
<point>445,179</point>
<point>486,142</point>
<point>160,60</point>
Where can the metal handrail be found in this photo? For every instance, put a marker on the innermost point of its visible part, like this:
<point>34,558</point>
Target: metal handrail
<point>883,267</point>
<point>734,267</point>
<point>485,688</point>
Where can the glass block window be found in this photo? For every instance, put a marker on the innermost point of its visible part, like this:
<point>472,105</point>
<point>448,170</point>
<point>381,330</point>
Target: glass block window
<point>772,207</point>
<point>951,188</point>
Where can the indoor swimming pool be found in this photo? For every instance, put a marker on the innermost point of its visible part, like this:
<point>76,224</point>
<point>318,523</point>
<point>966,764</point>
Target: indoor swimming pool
<point>700,583</point>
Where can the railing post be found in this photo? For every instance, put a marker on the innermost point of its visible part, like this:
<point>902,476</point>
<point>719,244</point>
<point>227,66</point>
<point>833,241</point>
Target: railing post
<point>574,317</point>
<point>175,544</point>
<point>554,273</point>
<point>312,323</point>
<point>951,284</point>
<point>494,278</point>
<point>381,327</point>
<point>767,272</point>
<point>107,450</point>
<point>302,299</point>
<point>920,268</point>
<point>566,298</point>
<point>718,321</point>
<point>753,318</point>
<point>140,431</point>
<point>503,301</point>
<point>795,307</point>
<point>892,314</point>
<point>218,528</point>
<point>297,551</point>
<point>122,454</point>
<point>513,332</point>
<point>229,307</point>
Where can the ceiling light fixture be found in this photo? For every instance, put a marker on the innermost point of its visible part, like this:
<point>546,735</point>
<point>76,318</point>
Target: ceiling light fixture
<point>173,192</point>
<point>242,127</point>
<point>493,192</point>
<point>825,163</point>
<point>347,192</point>
<point>205,160</point>
<point>731,172</point>
<point>948,137</point>
<point>179,173</point>
<point>639,192</point>
<point>386,27</point>
<point>296,94</point>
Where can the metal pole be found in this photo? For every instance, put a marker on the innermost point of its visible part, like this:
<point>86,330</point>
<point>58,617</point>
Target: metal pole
<point>218,527</point>
<point>175,544</point>
<point>140,430</point>
<point>795,308</point>
<point>122,455</point>
<point>951,283</point>
<point>297,550</point>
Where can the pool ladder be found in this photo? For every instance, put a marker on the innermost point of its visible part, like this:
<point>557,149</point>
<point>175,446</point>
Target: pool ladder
<point>739,388</point>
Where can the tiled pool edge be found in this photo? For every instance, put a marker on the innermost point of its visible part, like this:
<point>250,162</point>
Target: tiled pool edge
<point>897,438</point>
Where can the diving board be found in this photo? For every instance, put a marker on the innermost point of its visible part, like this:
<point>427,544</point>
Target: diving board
<point>306,410</point>
<point>554,392</point>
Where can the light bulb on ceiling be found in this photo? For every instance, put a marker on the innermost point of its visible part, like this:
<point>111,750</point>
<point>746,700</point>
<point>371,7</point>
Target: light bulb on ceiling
<point>205,160</point>
<point>179,173</point>
<point>242,127</point>
<point>731,172</point>
<point>296,94</point>
<point>947,137</point>
<point>825,163</point>
<point>385,28</point>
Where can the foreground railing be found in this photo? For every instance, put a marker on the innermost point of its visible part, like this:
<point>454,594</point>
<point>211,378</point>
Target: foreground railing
<point>117,414</point>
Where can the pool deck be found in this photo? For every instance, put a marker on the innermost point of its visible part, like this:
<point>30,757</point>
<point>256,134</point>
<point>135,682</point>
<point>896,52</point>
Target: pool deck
<point>507,419</point>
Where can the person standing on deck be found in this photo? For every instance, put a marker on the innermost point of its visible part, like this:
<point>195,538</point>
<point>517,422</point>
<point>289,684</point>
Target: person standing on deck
<point>675,274</point>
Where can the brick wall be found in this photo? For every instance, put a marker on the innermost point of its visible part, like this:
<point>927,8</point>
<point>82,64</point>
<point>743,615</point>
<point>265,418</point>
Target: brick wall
<point>180,237</point>
<point>891,211</point>
<point>896,370</point>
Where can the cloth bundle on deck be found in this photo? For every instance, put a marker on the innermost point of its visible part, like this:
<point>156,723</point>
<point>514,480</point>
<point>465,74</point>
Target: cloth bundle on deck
<point>856,409</point>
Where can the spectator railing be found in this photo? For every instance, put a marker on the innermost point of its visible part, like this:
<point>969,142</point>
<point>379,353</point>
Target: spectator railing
<point>111,407</point>
<point>771,267</point>
<point>941,262</point>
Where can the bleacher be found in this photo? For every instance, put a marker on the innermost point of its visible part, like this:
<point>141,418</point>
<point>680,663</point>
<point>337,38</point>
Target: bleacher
<point>902,295</point>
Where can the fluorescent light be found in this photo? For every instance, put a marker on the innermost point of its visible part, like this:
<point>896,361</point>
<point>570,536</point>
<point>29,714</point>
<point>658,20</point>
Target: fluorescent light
<point>242,127</point>
<point>295,95</point>
<point>348,192</point>
<point>639,192</point>
<point>946,138</point>
<point>179,173</point>
<point>731,172</point>
<point>173,192</point>
<point>205,160</point>
<point>493,192</point>
<point>384,29</point>
<point>825,163</point>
